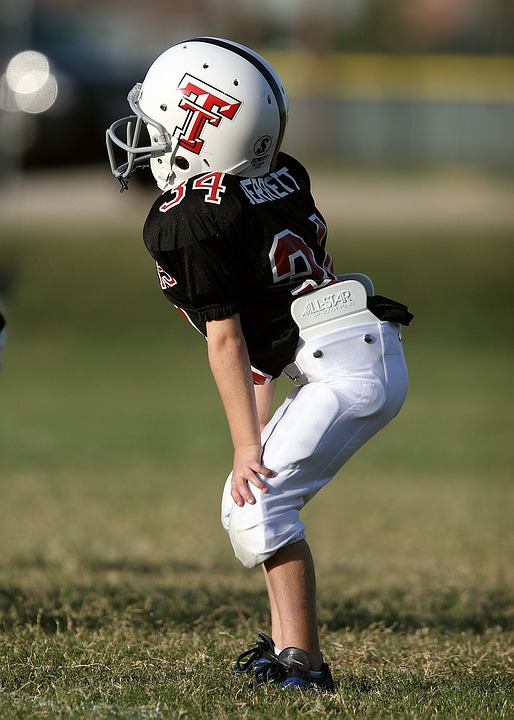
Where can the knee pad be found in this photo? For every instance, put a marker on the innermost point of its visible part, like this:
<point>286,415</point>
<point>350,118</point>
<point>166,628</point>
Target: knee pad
<point>254,540</point>
<point>245,528</point>
<point>247,541</point>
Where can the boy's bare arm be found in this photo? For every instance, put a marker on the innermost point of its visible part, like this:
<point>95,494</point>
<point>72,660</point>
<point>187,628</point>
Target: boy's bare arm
<point>264,399</point>
<point>230,365</point>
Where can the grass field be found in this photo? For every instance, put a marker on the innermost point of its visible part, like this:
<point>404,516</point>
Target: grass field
<point>119,595</point>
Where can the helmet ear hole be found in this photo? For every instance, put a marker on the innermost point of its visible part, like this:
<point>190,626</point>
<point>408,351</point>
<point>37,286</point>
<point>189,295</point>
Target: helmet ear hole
<point>181,162</point>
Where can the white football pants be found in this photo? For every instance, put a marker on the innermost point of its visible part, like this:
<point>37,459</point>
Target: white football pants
<point>354,383</point>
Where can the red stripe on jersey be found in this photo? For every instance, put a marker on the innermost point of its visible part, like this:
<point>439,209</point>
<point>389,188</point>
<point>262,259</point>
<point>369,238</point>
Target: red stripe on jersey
<point>260,378</point>
<point>186,316</point>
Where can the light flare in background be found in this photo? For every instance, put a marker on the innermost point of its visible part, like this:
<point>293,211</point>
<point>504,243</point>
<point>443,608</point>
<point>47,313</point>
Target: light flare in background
<point>28,84</point>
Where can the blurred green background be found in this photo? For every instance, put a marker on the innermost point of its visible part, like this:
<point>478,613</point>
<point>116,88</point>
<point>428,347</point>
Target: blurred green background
<point>117,581</point>
<point>101,372</point>
<point>111,432</point>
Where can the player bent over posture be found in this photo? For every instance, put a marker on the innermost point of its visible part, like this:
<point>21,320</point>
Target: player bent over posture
<point>239,246</point>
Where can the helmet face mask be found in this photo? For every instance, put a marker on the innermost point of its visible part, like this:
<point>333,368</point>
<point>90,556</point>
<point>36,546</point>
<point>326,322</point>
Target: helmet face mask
<point>137,155</point>
<point>209,105</point>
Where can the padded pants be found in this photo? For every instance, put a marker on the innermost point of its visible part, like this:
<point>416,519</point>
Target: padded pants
<point>354,381</point>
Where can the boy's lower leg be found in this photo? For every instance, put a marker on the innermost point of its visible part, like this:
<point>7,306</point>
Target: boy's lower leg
<point>291,582</point>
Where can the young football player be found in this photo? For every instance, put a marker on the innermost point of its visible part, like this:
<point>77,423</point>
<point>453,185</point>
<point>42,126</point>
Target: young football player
<point>239,247</point>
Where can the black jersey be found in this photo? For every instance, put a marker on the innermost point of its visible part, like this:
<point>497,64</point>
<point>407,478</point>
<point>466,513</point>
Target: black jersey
<point>225,245</point>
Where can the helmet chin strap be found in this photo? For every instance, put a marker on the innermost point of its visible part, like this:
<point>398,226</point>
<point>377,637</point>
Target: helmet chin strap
<point>163,178</point>
<point>163,172</point>
<point>238,169</point>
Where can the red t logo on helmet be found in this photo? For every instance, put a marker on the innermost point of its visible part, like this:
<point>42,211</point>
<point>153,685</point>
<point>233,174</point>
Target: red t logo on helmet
<point>203,104</point>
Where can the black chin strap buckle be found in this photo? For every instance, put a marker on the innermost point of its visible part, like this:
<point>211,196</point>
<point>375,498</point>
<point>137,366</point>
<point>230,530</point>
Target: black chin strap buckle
<point>124,183</point>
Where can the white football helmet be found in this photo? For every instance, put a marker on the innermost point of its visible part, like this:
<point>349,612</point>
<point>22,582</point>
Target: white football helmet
<point>208,104</point>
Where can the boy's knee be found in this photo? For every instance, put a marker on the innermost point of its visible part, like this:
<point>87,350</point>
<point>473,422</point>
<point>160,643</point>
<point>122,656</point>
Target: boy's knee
<point>248,543</point>
<point>255,543</point>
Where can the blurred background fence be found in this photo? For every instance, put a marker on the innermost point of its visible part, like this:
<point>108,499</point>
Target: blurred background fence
<point>372,83</point>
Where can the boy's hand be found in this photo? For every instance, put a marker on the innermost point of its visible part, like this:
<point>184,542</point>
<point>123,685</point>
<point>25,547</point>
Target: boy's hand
<point>247,469</point>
